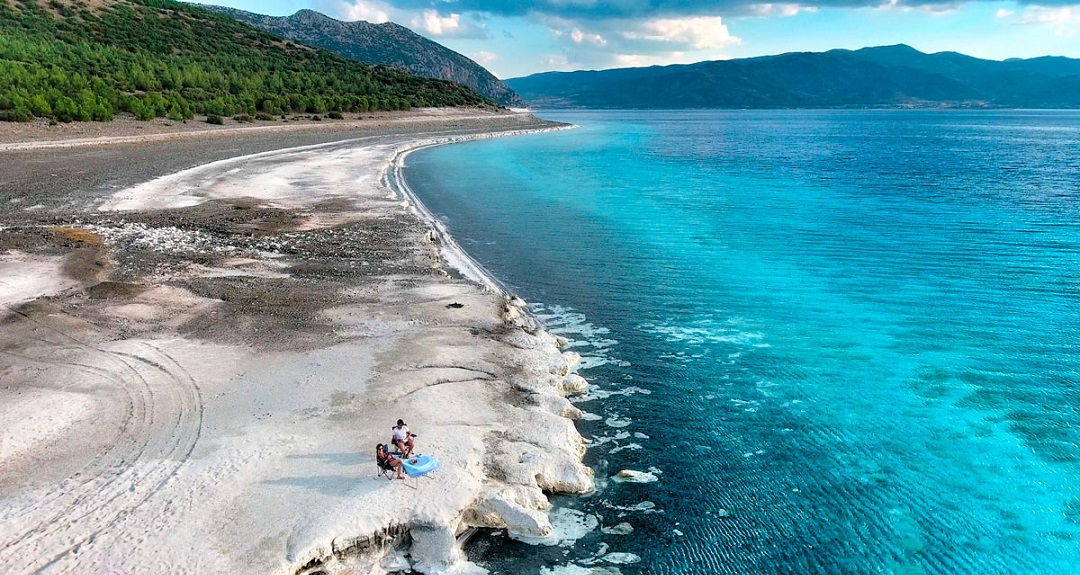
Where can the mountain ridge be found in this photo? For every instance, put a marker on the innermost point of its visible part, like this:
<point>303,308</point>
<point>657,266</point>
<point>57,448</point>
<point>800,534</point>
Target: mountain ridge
<point>879,76</point>
<point>386,43</point>
<point>88,60</point>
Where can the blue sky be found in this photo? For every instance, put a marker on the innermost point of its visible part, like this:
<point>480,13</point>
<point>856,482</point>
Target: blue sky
<point>519,37</point>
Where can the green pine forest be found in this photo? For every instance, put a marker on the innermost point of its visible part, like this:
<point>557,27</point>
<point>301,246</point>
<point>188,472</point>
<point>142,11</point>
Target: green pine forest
<point>70,60</point>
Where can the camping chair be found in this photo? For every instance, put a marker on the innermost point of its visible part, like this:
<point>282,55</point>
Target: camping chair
<point>384,469</point>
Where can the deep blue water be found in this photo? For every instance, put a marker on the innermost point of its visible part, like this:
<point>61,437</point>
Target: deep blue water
<point>847,342</point>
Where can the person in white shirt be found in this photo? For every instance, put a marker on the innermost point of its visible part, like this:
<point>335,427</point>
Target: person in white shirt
<point>403,439</point>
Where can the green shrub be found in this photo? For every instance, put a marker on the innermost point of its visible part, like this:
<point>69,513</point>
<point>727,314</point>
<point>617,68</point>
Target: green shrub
<point>158,58</point>
<point>215,119</point>
<point>335,115</point>
<point>16,115</point>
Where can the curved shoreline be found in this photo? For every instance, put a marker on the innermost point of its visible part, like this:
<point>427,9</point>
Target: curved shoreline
<point>278,307</point>
<point>393,177</point>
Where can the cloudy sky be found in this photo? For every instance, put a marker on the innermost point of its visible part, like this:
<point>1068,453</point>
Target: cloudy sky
<point>519,37</point>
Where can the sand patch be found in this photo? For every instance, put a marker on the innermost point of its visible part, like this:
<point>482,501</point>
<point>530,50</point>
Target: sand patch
<point>35,417</point>
<point>25,277</point>
<point>162,306</point>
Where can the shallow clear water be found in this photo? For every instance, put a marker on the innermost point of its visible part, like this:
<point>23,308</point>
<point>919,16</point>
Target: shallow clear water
<point>847,342</point>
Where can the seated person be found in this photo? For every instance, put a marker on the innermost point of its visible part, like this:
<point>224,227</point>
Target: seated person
<point>403,439</point>
<point>387,461</point>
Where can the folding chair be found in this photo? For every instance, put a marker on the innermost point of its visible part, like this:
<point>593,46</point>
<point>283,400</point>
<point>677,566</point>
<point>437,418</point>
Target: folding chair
<point>392,438</point>
<point>384,469</point>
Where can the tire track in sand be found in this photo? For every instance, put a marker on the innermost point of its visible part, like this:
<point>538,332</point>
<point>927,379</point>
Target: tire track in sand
<point>163,425</point>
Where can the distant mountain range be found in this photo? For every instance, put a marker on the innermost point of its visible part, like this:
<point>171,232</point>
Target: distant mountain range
<point>887,76</point>
<point>386,43</point>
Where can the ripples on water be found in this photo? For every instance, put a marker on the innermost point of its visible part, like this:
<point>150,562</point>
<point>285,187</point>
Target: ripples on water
<point>844,342</point>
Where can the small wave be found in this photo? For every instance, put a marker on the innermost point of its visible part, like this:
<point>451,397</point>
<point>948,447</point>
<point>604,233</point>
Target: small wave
<point>591,341</point>
<point>595,393</point>
<point>602,439</point>
<point>703,332</point>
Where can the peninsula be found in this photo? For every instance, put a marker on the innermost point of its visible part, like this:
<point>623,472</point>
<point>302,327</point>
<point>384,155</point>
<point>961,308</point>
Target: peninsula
<point>196,363</point>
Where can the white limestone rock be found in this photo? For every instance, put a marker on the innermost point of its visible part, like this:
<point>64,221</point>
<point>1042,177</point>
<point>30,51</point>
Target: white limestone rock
<point>565,363</point>
<point>559,406</point>
<point>434,548</point>
<point>524,340</point>
<point>572,384</point>
<point>499,512</point>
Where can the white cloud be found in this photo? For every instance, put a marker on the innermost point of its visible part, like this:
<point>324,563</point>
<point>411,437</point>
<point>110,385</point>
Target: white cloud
<point>1063,21</point>
<point>484,57</point>
<point>1048,15</point>
<point>433,23</point>
<point>579,37</point>
<point>699,32</point>
<point>1002,13</point>
<point>554,62</point>
<point>623,42</point>
<point>640,60</point>
<point>427,22</point>
<point>783,9</point>
<point>370,11</point>
<point>436,25</point>
<point>933,8</point>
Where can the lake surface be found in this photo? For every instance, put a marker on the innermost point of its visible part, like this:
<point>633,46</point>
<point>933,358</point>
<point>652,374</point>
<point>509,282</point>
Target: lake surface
<point>843,341</point>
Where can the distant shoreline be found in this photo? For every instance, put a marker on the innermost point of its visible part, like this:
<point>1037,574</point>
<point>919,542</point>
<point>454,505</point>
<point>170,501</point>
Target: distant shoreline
<point>41,134</point>
<point>540,108</point>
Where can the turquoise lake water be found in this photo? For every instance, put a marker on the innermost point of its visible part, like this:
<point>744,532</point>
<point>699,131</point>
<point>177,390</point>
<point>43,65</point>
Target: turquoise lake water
<point>844,342</point>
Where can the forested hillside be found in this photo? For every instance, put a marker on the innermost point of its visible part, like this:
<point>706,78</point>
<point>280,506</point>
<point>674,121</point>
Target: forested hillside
<point>385,43</point>
<point>89,60</point>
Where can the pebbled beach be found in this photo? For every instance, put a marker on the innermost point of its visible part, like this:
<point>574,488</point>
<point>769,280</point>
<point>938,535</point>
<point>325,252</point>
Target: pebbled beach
<point>204,335</point>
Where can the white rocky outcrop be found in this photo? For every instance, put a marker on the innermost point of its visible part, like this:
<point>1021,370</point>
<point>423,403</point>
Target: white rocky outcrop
<point>255,454</point>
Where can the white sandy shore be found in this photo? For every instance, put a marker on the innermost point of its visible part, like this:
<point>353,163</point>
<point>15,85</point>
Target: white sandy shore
<point>128,447</point>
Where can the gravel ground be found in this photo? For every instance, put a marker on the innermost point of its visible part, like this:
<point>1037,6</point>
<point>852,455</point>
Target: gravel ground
<point>70,179</point>
<point>45,194</point>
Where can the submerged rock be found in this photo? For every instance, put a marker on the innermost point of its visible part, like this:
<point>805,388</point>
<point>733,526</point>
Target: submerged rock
<point>631,476</point>
<point>621,558</point>
<point>623,528</point>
